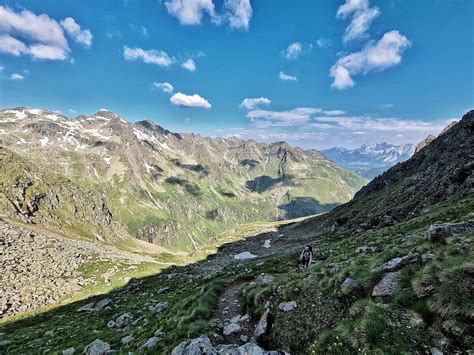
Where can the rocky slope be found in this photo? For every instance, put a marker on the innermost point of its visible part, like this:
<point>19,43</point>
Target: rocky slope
<point>176,190</point>
<point>370,160</point>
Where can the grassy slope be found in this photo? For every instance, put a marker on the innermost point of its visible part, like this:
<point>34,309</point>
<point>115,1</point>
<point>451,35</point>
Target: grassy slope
<point>326,320</point>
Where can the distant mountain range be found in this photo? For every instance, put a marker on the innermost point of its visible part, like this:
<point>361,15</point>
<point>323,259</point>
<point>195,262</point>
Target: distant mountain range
<point>173,190</point>
<point>370,160</point>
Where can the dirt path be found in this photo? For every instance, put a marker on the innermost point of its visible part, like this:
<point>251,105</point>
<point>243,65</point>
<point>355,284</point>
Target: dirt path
<point>230,317</point>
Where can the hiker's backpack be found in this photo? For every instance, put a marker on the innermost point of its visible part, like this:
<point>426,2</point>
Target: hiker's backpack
<point>306,253</point>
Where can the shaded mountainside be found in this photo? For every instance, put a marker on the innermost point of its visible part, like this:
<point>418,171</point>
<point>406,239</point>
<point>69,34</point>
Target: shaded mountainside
<point>370,160</point>
<point>443,168</point>
<point>393,273</point>
<point>177,190</point>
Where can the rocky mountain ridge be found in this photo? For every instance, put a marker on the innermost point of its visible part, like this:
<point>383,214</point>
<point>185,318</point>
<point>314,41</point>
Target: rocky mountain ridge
<point>177,190</point>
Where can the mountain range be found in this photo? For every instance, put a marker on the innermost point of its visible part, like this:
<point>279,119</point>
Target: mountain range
<point>392,269</point>
<point>370,160</point>
<point>175,190</point>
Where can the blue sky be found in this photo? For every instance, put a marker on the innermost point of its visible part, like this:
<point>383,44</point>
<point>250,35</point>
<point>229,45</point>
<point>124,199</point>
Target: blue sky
<point>315,73</point>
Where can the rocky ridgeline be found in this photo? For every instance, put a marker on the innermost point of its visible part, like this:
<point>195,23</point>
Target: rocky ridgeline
<point>38,269</point>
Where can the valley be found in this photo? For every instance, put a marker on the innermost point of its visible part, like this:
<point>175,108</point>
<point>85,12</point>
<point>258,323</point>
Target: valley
<point>392,272</point>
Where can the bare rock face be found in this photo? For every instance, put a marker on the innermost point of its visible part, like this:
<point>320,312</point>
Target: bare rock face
<point>438,233</point>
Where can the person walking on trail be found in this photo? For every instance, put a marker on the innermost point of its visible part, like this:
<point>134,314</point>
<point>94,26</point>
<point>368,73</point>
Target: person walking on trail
<point>306,257</point>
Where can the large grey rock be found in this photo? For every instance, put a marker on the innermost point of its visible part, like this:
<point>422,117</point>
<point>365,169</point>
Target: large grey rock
<point>389,284</point>
<point>365,249</point>
<point>231,329</point>
<point>246,349</point>
<point>287,306</point>
<point>121,321</point>
<point>201,345</point>
<point>262,325</point>
<point>69,351</point>
<point>397,263</point>
<point>127,339</point>
<point>438,233</point>
<point>97,347</point>
<point>349,284</point>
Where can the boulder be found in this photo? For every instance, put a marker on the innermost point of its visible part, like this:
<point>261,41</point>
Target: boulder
<point>201,345</point>
<point>121,321</point>
<point>262,325</point>
<point>231,329</point>
<point>97,347</point>
<point>397,263</point>
<point>69,351</point>
<point>438,233</point>
<point>287,306</point>
<point>127,339</point>
<point>266,279</point>
<point>389,284</point>
<point>349,284</point>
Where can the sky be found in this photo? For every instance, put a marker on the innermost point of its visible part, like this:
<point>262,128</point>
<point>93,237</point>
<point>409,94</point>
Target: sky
<point>316,74</point>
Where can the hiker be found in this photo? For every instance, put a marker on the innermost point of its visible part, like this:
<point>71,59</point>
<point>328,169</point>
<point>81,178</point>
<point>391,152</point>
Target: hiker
<point>306,256</point>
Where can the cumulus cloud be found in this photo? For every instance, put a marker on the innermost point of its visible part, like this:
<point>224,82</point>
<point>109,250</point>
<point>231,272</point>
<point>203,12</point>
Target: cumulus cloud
<point>238,13</point>
<point>25,33</point>
<point>362,17</point>
<point>79,35</point>
<point>385,53</point>
<point>285,77</point>
<point>180,99</point>
<point>235,13</point>
<point>293,51</point>
<point>152,56</point>
<point>294,117</point>
<point>11,45</point>
<point>190,12</point>
<point>189,65</point>
<point>165,87</point>
<point>16,76</point>
<point>250,104</point>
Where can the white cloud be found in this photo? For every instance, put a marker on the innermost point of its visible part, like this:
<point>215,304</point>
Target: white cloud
<point>1,68</point>
<point>268,118</point>
<point>293,51</point>
<point>73,29</point>
<point>235,13</point>
<point>44,51</point>
<point>165,87</point>
<point>152,56</point>
<point>180,99</point>
<point>285,77</point>
<point>189,65</point>
<point>362,17</point>
<point>385,53</point>
<point>250,104</point>
<point>25,33</point>
<point>190,12</point>
<point>323,42</point>
<point>238,13</point>
<point>11,45</point>
<point>16,76</point>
